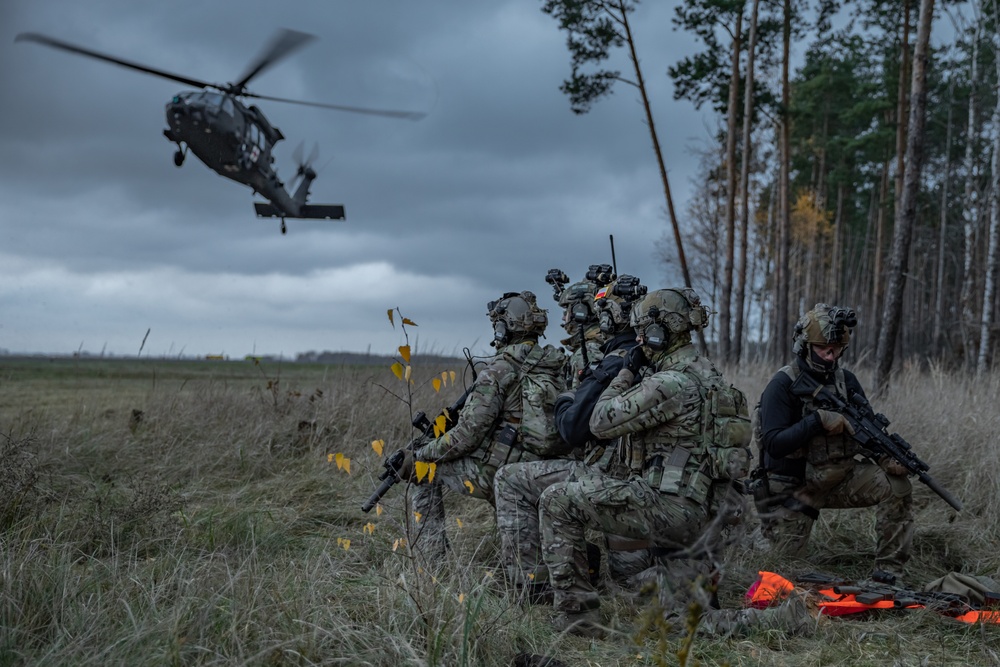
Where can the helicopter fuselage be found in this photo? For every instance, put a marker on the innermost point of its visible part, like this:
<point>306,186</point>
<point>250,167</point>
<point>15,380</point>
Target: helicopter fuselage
<point>231,138</point>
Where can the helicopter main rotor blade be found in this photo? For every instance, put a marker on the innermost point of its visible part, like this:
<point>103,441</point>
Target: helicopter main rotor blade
<point>410,115</point>
<point>79,50</point>
<point>283,43</point>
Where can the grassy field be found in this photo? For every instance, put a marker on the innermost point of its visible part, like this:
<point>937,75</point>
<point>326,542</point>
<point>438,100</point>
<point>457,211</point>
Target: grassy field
<point>170,512</point>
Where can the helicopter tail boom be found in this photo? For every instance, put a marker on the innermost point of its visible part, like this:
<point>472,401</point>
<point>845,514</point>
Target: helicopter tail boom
<point>306,211</point>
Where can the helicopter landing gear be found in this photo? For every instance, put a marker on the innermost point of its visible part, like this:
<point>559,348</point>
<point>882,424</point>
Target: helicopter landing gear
<point>284,230</point>
<point>179,157</point>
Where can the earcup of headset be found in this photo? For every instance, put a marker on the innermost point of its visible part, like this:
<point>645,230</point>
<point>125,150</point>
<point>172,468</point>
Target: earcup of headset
<point>655,336</point>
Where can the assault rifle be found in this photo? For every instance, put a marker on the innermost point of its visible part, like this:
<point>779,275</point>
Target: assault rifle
<point>870,431</point>
<point>901,598</point>
<point>390,476</point>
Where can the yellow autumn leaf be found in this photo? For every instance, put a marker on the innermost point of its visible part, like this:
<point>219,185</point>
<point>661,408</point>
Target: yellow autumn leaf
<point>409,371</point>
<point>404,351</point>
<point>378,446</point>
<point>459,522</point>
<point>347,544</point>
<point>340,461</point>
<point>369,528</point>
<point>378,510</point>
<point>407,320</point>
<point>389,313</point>
<point>431,470</point>
<point>470,487</point>
<point>452,373</point>
<point>421,468</point>
<point>439,425</point>
<point>397,370</point>
<point>417,516</point>
<point>436,383</point>
<point>461,598</point>
<point>444,377</point>
<point>395,545</point>
<point>347,465</point>
<point>329,458</point>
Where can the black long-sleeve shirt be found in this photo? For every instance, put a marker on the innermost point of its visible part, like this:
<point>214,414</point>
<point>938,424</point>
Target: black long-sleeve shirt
<point>572,411</point>
<point>783,428</point>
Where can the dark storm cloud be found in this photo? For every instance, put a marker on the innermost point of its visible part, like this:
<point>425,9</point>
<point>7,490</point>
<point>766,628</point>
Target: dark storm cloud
<point>101,237</point>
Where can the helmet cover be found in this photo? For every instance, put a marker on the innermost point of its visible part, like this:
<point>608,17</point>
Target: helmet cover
<point>823,325</point>
<point>516,315</point>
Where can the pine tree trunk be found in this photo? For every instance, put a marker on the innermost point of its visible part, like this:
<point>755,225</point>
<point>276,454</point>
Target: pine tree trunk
<point>782,324</point>
<point>970,210</point>
<point>725,303</point>
<point>906,217</point>
<point>741,280</point>
<point>989,285</point>
<point>938,331</point>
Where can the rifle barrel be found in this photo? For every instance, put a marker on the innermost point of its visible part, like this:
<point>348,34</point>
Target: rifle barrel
<point>941,491</point>
<point>376,496</point>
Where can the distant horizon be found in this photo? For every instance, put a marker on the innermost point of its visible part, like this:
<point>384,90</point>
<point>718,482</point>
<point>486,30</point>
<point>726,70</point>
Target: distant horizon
<point>326,356</point>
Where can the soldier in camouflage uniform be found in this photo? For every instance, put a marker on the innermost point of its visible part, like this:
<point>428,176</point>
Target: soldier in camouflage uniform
<point>518,486</point>
<point>662,401</point>
<point>487,432</point>
<point>812,462</point>
<point>580,317</point>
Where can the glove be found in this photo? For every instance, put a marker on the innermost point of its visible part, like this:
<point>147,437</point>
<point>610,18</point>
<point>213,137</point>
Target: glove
<point>834,423</point>
<point>894,467</point>
<point>405,469</point>
<point>636,360</point>
<point>606,371</point>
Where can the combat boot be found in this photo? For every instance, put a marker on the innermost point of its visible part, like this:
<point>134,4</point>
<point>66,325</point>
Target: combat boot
<point>584,623</point>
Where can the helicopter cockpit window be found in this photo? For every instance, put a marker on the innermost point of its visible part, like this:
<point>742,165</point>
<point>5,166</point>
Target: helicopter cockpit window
<point>213,99</point>
<point>227,106</point>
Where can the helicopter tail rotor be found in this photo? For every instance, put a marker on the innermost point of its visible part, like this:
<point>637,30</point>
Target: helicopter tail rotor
<point>304,173</point>
<point>303,167</point>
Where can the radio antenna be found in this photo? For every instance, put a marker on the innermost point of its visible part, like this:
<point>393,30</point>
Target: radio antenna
<point>614,262</point>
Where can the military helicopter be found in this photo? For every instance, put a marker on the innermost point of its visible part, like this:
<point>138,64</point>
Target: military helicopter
<point>233,138</point>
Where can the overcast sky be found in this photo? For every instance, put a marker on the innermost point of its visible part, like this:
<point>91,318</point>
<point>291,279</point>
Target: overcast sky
<point>102,237</point>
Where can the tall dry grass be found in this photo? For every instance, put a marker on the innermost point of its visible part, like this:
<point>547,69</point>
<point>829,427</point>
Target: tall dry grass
<point>216,528</point>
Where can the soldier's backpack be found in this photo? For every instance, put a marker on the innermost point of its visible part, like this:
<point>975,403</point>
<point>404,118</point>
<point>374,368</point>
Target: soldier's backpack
<point>539,388</point>
<point>727,432</point>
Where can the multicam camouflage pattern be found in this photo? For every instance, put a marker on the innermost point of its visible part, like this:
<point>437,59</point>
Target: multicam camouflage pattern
<point>823,325</point>
<point>843,484</point>
<point>575,365</point>
<point>684,589</point>
<point>667,499</point>
<point>629,508</point>
<point>518,488</point>
<point>662,413</point>
<point>468,455</point>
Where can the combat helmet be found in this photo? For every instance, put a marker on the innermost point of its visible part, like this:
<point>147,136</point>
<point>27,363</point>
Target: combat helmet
<point>666,317</point>
<point>578,306</point>
<point>516,315</point>
<point>823,325</point>
<point>614,303</point>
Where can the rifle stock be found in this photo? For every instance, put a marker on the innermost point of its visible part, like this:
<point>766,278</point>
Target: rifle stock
<point>390,476</point>
<point>870,431</point>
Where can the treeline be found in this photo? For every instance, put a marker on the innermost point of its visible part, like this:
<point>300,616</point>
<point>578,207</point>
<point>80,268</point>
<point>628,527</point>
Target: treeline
<point>855,162</point>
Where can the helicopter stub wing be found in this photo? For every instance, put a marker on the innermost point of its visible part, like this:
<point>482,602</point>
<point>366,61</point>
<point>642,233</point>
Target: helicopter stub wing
<point>306,211</point>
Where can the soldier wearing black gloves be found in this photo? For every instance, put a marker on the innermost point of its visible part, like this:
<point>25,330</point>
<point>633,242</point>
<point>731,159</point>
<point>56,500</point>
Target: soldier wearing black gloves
<point>518,486</point>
